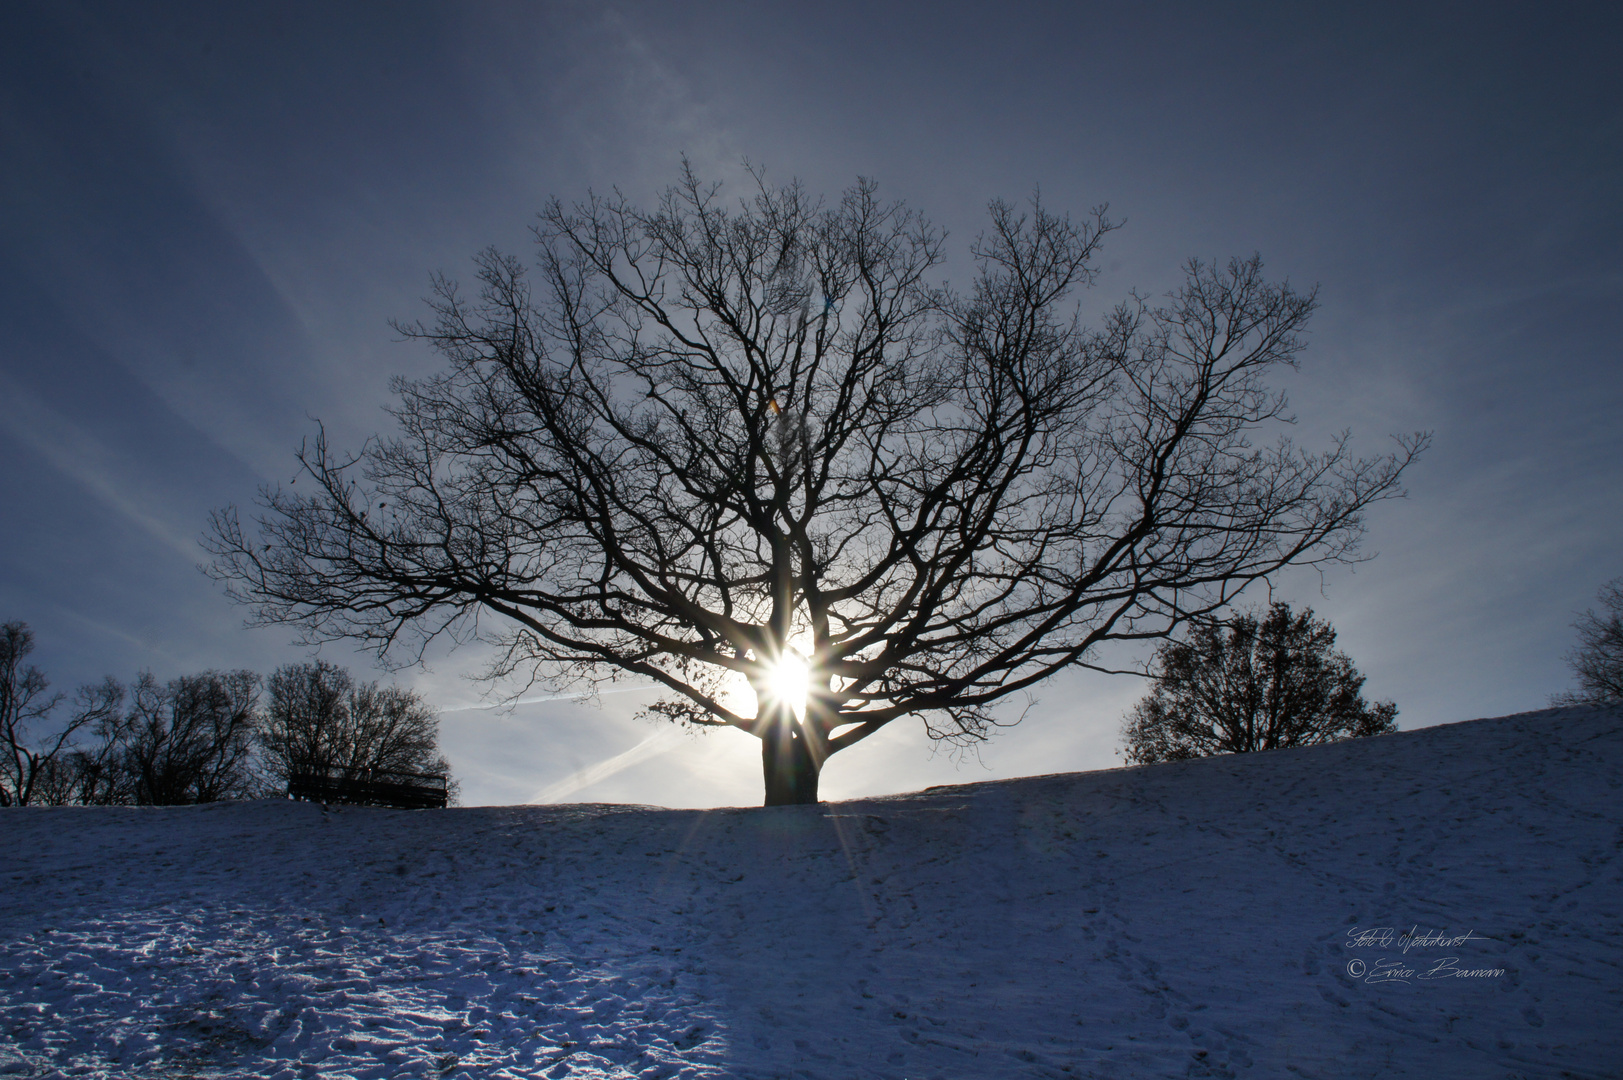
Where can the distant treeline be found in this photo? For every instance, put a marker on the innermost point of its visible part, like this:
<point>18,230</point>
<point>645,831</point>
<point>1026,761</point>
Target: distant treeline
<point>199,738</point>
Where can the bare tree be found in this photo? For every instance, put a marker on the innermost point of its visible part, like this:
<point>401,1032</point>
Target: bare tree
<point>1598,660</point>
<point>726,442</point>
<point>1257,686</point>
<point>93,775</point>
<point>318,720</point>
<point>190,741</point>
<point>30,756</point>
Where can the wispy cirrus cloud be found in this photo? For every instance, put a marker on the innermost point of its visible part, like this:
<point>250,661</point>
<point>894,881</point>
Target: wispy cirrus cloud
<point>77,454</point>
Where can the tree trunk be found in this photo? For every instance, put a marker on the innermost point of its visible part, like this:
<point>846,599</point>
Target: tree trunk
<point>788,765</point>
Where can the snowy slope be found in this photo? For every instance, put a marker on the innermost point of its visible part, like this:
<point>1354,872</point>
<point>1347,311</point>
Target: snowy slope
<point>1194,919</point>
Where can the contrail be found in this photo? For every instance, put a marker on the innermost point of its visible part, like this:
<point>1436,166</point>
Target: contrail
<point>74,452</point>
<point>551,697</point>
<point>657,743</point>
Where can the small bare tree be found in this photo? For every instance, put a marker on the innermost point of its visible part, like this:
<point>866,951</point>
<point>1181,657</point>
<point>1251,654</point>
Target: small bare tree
<point>33,758</point>
<point>730,445</point>
<point>1244,686</point>
<point>1598,660</point>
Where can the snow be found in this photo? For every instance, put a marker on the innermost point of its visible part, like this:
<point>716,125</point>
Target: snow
<point>1202,918</point>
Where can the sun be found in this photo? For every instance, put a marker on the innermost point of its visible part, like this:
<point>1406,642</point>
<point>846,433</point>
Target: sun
<point>790,681</point>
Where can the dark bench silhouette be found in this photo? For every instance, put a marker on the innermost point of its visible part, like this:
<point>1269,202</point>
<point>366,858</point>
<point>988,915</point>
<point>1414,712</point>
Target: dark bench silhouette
<point>369,787</point>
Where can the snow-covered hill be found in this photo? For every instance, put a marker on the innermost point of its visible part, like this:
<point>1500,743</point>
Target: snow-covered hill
<point>1237,916</point>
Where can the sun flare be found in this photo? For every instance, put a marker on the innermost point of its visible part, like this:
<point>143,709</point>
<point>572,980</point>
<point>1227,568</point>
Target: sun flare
<point>790,681</point>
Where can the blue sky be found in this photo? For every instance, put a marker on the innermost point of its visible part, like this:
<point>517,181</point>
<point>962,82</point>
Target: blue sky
<point>208,217</point>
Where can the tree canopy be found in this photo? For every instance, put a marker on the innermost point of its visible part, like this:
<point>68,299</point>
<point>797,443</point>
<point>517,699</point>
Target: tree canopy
<point>1245,685</point>
<point>713,441</point>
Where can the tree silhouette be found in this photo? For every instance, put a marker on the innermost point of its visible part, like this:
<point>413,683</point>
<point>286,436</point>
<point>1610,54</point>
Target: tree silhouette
<point>188,741</point>
<point>33,761</point>
<point>317,720</point>
<point>711,443</point>
<point>1598,660</point>
<point>1251,686</point>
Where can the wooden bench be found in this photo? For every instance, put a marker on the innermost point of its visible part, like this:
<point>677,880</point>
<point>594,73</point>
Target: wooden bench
<point>370,787</point>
